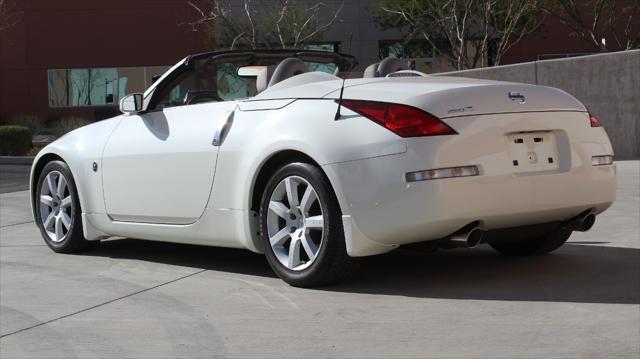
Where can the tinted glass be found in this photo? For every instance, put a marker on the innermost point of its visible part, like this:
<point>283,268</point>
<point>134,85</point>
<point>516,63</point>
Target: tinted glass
<point>97,86</point>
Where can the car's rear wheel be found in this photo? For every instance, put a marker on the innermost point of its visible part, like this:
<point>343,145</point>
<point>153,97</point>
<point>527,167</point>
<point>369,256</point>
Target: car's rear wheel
<point>301,227</point>
<point>533,246</point>
<point>58,213</point>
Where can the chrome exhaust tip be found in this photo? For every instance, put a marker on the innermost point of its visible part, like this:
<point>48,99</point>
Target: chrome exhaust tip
<point>475,237</point>
<point>469,238</point>
<point>582,223</point>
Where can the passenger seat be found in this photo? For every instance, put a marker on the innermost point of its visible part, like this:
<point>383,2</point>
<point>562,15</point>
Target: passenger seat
<point>288,67</point>
<point>385,67</point>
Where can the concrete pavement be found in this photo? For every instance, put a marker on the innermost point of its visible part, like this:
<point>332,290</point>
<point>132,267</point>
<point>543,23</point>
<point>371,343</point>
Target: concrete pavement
<point>157,300</point>
<point>14,178</point>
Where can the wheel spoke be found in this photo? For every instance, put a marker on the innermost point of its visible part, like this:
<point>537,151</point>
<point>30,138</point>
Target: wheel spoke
<point>292,223</point>
<point>66,202</point>
<point>294,252</point>
<point>307,199</point>
<point>46,200</point>
<point>315,222</point>
<point>66,220</point>
<point>51,184</point>
<point>58,229</point>
<point>279,238</point>
<point>279,208</point>
<point>62,185</point>
<point>50,219</point>
<point>309,246</point>
<point>292,192</point>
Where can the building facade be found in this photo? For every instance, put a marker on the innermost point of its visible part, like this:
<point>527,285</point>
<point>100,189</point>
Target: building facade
<point>78,58</point>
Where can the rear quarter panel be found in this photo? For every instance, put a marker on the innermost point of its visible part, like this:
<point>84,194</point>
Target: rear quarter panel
<point>307,126</point>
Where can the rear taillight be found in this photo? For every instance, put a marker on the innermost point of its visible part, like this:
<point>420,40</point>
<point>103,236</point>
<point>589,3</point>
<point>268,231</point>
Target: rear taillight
<point>594,121</point>
<point>403,120</point>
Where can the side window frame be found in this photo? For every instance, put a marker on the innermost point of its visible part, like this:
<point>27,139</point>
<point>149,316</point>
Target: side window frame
<point>159,89</point>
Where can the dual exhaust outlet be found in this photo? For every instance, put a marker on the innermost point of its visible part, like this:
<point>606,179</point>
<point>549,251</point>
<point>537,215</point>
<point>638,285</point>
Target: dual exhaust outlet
<point>581,223</point>
<point>472,235</point>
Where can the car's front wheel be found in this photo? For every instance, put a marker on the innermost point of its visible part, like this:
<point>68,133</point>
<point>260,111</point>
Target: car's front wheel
<point>301,227</point>
<point>533,246</point>
<point>58,213</point>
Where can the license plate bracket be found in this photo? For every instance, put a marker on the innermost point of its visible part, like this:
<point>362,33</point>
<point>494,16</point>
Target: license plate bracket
<point>533,151</point>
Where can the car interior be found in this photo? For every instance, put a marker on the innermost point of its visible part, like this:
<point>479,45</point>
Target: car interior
<point>289,67</point>
<point>385,67</point>
<point>206,81</point>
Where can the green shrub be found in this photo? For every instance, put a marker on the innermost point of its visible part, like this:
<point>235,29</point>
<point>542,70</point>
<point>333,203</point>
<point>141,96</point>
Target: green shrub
<point>34,123</point>
<point>68,124</point>
<point>14,140</point>
<point>34,151</point>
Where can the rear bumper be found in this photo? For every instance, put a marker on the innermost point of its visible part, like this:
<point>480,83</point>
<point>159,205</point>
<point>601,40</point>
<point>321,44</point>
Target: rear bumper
<point>386,211</point>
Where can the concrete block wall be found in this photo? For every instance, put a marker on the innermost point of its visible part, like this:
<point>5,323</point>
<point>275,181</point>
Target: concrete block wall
<point>608,84</point>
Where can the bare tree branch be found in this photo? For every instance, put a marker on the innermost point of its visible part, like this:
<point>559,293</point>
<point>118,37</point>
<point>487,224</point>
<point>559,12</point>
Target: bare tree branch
<point>8,15</point>
<point>285,24</point>
<point>462,30</point>
<point>594,20</point>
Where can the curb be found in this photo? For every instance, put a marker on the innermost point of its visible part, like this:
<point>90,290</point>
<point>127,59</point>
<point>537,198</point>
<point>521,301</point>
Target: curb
<point>16,160</point>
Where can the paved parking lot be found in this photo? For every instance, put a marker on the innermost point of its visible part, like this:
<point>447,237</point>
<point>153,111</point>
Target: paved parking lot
<point>14,178</point>
<point>146,299</point>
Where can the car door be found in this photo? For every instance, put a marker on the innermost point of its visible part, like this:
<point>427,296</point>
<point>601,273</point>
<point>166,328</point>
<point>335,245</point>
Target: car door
<point>158,167</point>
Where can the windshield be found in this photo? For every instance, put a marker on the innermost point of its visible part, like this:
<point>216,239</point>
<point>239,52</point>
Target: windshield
<point>215,76</point>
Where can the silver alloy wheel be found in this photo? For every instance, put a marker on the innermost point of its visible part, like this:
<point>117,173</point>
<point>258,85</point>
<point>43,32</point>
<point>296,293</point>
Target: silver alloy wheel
<point>295,223</point>
<point>56,206</point>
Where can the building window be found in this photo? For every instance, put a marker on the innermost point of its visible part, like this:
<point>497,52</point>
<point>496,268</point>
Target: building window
<point>108,92</point>
<point>97,86</point>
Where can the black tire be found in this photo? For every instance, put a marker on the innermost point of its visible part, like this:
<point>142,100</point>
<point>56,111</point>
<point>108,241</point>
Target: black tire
<point>332,264</point>
<point>73,240</point>
<point>533,246</point>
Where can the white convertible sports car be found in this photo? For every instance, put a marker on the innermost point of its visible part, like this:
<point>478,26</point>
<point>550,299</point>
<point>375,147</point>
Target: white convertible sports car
<point>272,152</point>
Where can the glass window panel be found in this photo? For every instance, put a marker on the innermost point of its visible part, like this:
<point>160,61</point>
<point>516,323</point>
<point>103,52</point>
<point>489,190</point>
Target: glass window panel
<point>231,86</point>
<point>97,86</point>
<point>58,88</point>
<point>329,46</point>
<point>195,85</point>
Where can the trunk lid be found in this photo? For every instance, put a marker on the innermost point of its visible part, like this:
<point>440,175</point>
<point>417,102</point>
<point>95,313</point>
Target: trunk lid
<point>452,96</point>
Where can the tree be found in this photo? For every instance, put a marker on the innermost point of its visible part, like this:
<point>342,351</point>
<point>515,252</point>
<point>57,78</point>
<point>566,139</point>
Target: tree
<point>592,20</point>
<point>285,24</point>
<point>8,16</point>
<point>463,31</point>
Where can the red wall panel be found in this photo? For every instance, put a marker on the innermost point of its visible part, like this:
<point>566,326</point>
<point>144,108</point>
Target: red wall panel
<point>86,34</point>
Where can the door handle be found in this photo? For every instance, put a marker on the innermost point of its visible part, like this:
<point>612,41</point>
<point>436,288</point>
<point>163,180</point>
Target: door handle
<point>221,131</point>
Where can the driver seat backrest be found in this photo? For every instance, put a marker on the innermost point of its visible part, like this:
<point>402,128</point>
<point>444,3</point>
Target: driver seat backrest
<point>287,68</point>
<point>370,71</point>
<point>262,80</point>
<point>385,67</point>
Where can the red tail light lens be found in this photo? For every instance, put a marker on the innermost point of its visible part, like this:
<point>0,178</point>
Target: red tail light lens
<point>403,120</point>
<point>594,121</point>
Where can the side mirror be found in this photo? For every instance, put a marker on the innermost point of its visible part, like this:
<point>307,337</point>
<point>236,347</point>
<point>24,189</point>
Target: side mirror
<point>131,104</point>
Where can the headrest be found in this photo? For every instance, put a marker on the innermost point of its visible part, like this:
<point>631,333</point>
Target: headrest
<point>390,65</point>
<point>287,68</point>
<point>370,71</point>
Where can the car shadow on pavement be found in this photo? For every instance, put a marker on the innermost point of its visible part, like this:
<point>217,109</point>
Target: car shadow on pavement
<point>220,259</point>
<point>586,272</point>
